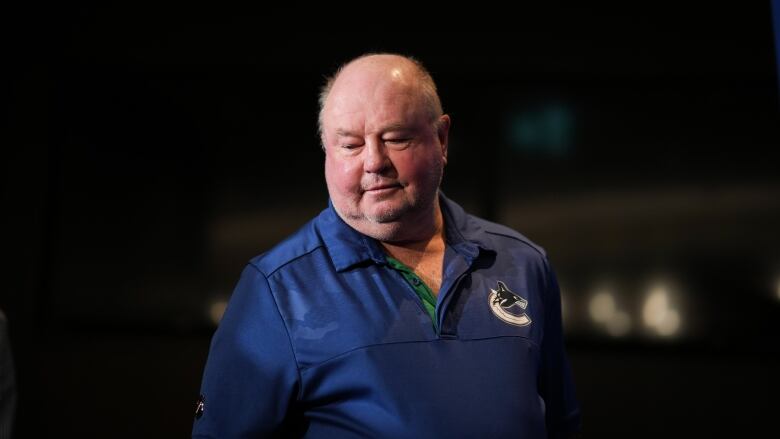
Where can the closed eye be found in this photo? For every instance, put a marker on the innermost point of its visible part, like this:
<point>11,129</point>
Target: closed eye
<point>401,142</point>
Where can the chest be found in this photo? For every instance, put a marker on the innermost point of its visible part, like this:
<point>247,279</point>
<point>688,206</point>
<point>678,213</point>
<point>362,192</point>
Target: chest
<point>444,388</point>
<point>375,305</point>
<point>430,271</point>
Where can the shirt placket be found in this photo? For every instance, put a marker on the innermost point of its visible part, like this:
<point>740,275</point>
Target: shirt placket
<point>423,293</point>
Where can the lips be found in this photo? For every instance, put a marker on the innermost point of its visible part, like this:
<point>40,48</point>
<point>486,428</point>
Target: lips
<point>382,187</point>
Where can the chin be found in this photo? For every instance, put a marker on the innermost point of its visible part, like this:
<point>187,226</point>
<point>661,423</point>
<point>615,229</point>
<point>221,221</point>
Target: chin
<point>387,214</point>
<point>385,232</point>
<point>383,225</point>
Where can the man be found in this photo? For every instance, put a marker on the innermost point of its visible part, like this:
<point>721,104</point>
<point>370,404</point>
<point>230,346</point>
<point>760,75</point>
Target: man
<point>392,314</point>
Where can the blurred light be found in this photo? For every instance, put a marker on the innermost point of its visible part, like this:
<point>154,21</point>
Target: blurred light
<point>619,324</point>
<point>602,306</point>
<point>655,306</point>
<point>216,310</point>
<point>564,307</point>
<point>670,324</point>
<point>546,130</point>
<point>658,312</point>
<point>777,289</point>
<point>603,309</point>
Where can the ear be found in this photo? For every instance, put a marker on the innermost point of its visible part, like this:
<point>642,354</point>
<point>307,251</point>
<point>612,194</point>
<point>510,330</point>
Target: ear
<point>443,133</point>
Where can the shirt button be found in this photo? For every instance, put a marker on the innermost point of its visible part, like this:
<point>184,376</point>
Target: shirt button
<point>415,281</point>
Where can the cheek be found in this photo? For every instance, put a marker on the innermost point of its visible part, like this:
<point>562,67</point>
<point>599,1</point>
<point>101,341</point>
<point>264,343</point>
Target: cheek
<point>342,175</point>
<point>418,170</point>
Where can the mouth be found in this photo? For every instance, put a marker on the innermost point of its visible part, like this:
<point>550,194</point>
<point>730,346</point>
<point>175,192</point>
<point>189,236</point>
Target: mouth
<point>381,189</point>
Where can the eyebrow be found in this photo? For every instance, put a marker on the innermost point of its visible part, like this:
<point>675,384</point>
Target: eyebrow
<point>344,133</point>
<point>398,127</point>
<point>392,127</point>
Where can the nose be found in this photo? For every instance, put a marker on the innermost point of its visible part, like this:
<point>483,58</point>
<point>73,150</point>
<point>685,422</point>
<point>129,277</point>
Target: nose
<point>376,160</point>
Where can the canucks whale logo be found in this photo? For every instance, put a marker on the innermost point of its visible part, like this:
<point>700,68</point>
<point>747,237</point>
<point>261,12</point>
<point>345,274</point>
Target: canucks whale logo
<point>502,301</point>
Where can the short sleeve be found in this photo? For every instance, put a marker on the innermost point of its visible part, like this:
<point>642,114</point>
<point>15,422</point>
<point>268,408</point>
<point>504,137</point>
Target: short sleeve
<point>250,382</point>
<point>556,385</point>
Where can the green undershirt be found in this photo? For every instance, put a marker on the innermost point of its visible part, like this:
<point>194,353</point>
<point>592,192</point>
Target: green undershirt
<point>419,287</point>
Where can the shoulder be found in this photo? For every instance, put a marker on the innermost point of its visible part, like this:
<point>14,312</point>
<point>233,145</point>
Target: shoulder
<point>298,245</point>
<point>488,234</point>
<point>514,250</point>
<point>502,236</point>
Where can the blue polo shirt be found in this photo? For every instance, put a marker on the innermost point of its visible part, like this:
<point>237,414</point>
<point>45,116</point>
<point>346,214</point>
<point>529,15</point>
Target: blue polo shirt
<point>322,338</point>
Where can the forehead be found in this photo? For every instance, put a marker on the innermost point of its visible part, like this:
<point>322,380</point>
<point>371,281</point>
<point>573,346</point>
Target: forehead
<point>371,100</point>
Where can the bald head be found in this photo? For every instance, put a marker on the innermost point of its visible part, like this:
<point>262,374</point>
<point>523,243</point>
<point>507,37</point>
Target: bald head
<point>385,142</point>
<point>371,70</point>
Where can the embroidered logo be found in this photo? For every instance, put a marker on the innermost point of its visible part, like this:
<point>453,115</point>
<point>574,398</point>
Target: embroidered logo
<point>502,301</point>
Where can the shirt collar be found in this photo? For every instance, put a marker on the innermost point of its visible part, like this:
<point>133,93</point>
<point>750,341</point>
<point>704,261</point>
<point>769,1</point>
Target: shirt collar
<point>347,247</point>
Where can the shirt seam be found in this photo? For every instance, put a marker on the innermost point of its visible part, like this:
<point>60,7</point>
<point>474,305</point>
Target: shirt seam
<point>285,263</point>
<point>303,369</point>
<point>527,244</point>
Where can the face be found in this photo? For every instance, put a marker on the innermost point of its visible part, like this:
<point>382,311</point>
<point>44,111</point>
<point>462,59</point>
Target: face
<point>384,155</point>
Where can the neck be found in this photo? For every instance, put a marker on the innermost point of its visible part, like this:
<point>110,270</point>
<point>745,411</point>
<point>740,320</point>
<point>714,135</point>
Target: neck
<point>415,249</point>
<point>427,230</point>
<point>423,256</point>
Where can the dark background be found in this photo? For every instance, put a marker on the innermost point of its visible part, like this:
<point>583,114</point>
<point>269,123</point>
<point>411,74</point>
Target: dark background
<point>148,154</point>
